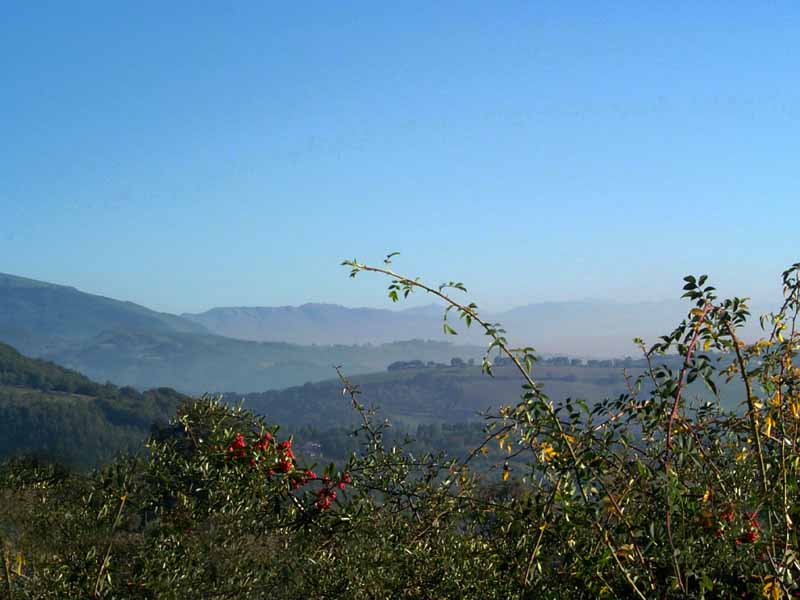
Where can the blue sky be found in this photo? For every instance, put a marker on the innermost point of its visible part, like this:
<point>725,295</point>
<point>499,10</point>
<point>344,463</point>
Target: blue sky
<point>197,154</point>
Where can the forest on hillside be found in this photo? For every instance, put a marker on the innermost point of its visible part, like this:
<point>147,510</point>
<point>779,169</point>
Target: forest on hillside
<point>59,415</point>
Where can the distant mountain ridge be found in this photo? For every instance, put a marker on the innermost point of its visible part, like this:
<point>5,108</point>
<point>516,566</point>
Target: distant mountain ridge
<point>578,328</point>
<point>248,349</point>
<point>128,344</point>
<point>45,319</point>
<point>320,323</point>
<point>39,317</point>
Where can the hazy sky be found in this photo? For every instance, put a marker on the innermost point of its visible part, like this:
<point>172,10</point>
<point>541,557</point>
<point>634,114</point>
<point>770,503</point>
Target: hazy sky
<point>186,155</point>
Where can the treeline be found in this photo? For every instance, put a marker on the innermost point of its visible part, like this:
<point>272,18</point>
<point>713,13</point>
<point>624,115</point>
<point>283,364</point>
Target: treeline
<point>552,361</point>
<point>617,363</point>
<point>45,376</point>
<point>405,365</point>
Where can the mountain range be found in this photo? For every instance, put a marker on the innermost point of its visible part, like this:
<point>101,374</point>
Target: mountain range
<point>249,349</point>
<point>38,317</point>
<point>128,344</point>
<point>589,328</point>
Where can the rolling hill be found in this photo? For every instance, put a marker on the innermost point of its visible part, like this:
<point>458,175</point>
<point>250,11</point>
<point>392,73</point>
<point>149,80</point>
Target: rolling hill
<point>424,396</point>
<point>254,349</point>
<point>56,413</point>
<point>413,397</point>
<point>209,364</point>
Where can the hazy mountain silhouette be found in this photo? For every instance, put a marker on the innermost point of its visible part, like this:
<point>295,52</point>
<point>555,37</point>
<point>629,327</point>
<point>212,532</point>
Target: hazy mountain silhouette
<point>321,323</point>
<point>38,317</point>
<point>578,328</point>
<point>129,344</point>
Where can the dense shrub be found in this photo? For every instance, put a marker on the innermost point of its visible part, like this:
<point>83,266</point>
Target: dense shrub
<point>648,495</point>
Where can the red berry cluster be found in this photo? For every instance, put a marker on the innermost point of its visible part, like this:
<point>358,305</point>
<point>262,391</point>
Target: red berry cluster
<point>259,451</point>
<point>327,494</point>
<point>307,476</point>
<point>238,448</point>
<point>728,515</point>
<point>264,443</point>
<point>280,459</point>
<point>753,530</point>
<point>725,520</point>
<point>286,457</point>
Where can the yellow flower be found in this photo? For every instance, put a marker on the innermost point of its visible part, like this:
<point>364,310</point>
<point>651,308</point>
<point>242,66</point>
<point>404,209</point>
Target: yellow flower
<point>769,422</point>
<point>21,562</point>
<point>502,440</point>
<point>795,408</point>
<point>548,452</point>
<point>741,455</point>
<point>772,589</point>
<point>611,507</point>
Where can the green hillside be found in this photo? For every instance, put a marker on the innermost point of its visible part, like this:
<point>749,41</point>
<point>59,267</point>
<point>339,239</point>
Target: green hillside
<point>55,413</point>
<point>39,317</point>
<point>447,395</point>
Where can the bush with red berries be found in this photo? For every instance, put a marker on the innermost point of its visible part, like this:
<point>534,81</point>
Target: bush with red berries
<point>659,493</point>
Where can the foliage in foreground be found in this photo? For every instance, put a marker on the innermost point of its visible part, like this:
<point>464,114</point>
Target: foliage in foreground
<point>644,496</point>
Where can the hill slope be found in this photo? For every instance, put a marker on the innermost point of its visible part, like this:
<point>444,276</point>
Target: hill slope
<point>53,412</point>
<point>39,317</point>
<point>413,397</point>
<point>208,364</point>
<point>418,396</point>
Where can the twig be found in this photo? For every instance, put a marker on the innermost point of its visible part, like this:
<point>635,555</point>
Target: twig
<point>107,557</point>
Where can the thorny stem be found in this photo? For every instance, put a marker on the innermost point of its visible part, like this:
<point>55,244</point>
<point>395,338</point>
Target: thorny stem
<point>107,556</point>
<point>668,458</point>
<point>531,384</point>
<point>9,588</point>
<point>751,408</point>
<point>536,546</point>
<point>502,346</point>
<point>686,363</point>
